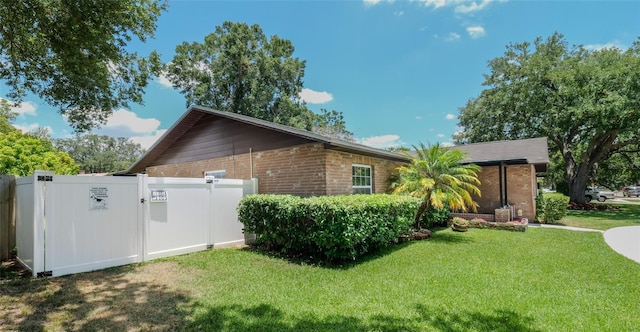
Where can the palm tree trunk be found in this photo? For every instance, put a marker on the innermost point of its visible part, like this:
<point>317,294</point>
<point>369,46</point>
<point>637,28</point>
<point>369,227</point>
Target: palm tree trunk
<point>424,206</point>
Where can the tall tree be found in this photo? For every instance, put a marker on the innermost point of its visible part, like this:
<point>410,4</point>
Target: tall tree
<point>331,124</point>
<point>22,154</point>
<point>437,176</point>
<point>586,102</point>
<point>72,54</point>
<point>100,153</point>
<point>238,69</point>
<point>6,116</point>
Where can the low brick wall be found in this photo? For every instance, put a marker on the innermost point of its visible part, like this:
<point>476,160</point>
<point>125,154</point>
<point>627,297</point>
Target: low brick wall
<point>518,225</point>
<point>469,216</point>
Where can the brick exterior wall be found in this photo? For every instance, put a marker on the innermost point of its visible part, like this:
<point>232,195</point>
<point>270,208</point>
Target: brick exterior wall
<point>521,189</point>
<point>339,171</point>
<point>304,170</point>
<point>310,169</point>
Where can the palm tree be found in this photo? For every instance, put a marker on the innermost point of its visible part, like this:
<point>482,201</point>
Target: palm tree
<point>437,176</point>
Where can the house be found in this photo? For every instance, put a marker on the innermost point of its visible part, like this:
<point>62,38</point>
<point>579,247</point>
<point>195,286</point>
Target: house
<point>509,173</point>
<point>286,160</point>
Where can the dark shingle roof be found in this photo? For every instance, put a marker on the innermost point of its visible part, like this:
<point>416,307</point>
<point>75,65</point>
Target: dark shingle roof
<point>524,151</point>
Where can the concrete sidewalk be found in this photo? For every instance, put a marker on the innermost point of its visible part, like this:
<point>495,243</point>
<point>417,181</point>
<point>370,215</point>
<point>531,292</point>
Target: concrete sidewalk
<point>570,228</point>
<point>625,241</point>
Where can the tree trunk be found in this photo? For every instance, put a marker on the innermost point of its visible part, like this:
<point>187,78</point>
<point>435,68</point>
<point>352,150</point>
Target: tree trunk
<point>424,206</point>
<point>578,184</point>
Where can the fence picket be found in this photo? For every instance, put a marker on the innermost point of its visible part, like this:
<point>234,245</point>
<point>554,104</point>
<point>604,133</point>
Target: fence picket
<point>7,216</point>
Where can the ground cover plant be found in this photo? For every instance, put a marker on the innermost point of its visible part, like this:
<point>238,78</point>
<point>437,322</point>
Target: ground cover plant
<point>620,215</point>
<point>480,280</point>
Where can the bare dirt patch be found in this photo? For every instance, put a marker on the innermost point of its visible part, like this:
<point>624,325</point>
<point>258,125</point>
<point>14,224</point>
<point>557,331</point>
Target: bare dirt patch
<point>129,298</point>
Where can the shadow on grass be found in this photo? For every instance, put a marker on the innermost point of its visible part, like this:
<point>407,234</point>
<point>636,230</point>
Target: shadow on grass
<point>265,317</point>
<point>107,300</point>
<point>308,259</point>
<point>446,235</point>
<point>439,235</point>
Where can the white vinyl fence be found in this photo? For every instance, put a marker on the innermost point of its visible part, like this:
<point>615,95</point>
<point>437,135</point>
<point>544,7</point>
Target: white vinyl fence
<point>72,224</point>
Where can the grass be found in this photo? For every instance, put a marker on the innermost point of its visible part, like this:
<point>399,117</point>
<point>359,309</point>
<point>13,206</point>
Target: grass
<point>628,215</point>
<point>481,280</point>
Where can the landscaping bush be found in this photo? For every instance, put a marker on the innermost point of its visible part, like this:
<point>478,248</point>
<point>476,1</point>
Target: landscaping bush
<point>329,228</point>
<point>551,207</point>
<point>436,217</point>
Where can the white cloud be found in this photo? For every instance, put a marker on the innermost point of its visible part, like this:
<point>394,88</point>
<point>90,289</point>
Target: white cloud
<point>371,2</point>
<point>147,141</point>
<point>29,127</point>
<point>131,121</point>
<point>434,3</point>
<point>613,44</point>
<point>476,32</point>
<point>381,142</point>
<point>418,117</point>
<point>466,7</point>
<point>398,13</point>
<point>450,116</point>
<point>315,97</point>
<point>440,135</point>
<point>24,108</point>
<point>164,81</point>
<point>460,6</point>
<point>447,144</point>
<point>123,123</point>
<point>452,36</point>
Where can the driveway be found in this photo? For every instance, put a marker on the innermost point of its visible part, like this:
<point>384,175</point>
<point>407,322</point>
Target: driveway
<point>625,241</point>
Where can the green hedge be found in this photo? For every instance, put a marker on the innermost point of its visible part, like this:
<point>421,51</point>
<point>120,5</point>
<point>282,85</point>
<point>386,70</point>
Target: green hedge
<point>327,228</point>
<point>551,207</point>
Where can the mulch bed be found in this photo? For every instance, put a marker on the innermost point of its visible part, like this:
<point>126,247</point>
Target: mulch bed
<point>592,207</point>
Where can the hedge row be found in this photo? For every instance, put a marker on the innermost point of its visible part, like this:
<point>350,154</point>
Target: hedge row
<point>329,228</point>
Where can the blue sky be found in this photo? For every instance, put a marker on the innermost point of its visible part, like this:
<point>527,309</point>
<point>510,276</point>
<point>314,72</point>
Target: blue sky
<point>398,70</point>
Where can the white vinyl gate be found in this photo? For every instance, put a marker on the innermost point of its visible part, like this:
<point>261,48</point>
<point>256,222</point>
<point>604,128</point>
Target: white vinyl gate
<point>72,224</point>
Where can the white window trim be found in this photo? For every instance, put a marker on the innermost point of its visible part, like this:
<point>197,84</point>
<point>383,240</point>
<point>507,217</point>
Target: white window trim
<point>370,187</point>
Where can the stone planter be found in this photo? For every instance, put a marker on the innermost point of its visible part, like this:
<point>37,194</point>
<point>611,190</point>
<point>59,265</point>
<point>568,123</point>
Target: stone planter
<point>459,228</point>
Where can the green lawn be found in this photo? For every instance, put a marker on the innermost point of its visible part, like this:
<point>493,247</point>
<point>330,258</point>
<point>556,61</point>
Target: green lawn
<point>481,280</point>
<point>628,215</point>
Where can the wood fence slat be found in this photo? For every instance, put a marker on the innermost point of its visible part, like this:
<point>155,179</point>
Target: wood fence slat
<point>7,216</point>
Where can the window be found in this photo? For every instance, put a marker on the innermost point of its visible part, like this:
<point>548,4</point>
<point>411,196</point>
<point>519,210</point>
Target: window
<point>361,179</point>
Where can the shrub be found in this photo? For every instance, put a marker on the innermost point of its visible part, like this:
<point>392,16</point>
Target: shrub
<point>329,228</point>
<point>551,207</point>
<point>436,217</point>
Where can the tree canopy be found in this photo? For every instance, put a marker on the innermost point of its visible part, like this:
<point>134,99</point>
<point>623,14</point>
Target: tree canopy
<point>238,69</point>
<point>6,116</point>
<point>22,154</point>
<point>331,124</point>
<point>73,55</point>
<point>437,176</point>
<point>587,102</point>
<point>100,153</point>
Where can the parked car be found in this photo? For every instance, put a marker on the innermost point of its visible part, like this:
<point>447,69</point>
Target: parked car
<point>600,194</point>
<point>631,191</point>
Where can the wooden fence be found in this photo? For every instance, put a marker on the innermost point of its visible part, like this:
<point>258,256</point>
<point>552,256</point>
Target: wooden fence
<point>7,216</point>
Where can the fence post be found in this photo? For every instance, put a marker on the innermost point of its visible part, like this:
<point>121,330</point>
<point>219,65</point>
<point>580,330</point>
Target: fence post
<point>7,216</point>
